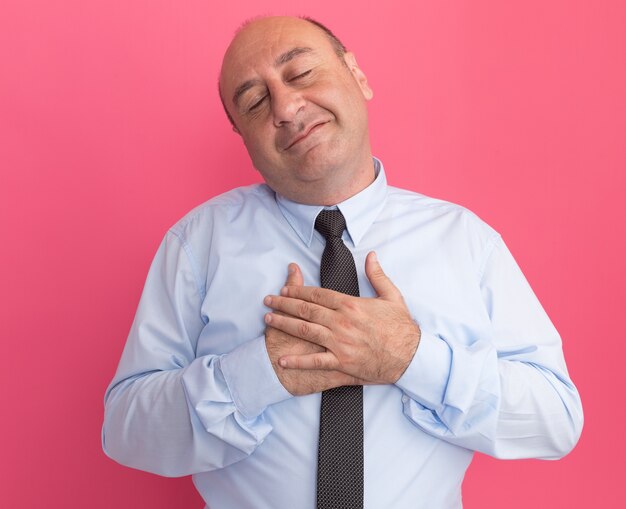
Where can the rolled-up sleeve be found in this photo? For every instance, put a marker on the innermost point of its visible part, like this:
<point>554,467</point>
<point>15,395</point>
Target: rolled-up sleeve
<point>507,394</point>
<point>173,414</point>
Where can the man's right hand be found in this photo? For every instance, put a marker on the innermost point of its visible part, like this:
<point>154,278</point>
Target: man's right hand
<point>301,382</point>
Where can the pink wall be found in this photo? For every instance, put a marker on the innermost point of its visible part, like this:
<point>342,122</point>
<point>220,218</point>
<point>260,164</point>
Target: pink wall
<point>111,129</point>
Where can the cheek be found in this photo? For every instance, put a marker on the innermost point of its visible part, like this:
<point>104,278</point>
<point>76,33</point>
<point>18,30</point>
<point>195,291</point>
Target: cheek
<point>263,156</point>
<point>259,144</point>
<point>345,102</point>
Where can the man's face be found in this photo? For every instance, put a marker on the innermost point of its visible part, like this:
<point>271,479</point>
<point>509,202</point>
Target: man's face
<point>300,109</point>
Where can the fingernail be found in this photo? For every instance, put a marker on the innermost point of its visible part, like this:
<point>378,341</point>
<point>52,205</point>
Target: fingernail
<point>374,257</point>
<point>291,268</point>
<point>268,318</point>
<point>284,291</point>
<point>283,363</point>
<point>267,301</point>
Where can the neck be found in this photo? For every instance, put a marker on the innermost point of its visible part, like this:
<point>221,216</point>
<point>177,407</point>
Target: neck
<point>336,190</point>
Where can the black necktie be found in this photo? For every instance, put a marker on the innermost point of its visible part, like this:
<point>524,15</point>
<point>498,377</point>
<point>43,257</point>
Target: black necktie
<point>340,453</point>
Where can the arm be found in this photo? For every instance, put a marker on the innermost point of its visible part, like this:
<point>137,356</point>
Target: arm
<point>168,412</point>
<point>506,394</point>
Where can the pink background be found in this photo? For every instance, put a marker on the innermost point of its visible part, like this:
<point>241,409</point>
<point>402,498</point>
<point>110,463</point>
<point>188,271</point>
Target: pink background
<point>111,129</point>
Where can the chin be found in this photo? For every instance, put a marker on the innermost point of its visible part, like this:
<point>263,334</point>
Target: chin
<point>322,158</point>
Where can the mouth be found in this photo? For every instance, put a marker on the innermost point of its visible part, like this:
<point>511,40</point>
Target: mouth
<point>312,128</point>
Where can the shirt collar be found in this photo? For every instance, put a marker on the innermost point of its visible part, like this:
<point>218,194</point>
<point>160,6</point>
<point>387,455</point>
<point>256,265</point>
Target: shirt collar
<point>360,210</point>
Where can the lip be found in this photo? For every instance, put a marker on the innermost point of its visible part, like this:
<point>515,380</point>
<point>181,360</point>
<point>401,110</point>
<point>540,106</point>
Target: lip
<point>300,137</point>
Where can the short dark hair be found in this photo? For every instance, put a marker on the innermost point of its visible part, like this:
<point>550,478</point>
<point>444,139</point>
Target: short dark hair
<point>338,46</point>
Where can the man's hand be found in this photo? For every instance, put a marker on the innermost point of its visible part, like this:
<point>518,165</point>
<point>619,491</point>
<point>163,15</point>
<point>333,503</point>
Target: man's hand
<point>280,343</point>
<point>369,339</point>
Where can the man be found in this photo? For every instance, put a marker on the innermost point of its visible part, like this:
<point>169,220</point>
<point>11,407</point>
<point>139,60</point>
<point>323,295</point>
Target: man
<point>223,372</point>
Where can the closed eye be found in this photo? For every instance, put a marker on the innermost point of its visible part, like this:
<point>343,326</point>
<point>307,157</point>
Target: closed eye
<point>257,104</point>
<point>295,78</point>
<point>302,75</point>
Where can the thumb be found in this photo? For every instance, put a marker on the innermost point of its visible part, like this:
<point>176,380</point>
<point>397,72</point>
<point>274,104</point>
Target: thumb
<point>294,275</point>
<point>380,282</point>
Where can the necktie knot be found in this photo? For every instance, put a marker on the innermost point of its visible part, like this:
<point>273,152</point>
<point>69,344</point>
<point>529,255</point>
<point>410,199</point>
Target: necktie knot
<point>330,223</point>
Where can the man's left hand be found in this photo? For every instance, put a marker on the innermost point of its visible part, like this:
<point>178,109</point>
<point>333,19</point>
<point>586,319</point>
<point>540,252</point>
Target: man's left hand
<point>373,339</point>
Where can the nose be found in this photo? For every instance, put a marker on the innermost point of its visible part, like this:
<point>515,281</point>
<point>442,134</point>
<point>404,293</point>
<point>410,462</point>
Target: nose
<point>286,103</point>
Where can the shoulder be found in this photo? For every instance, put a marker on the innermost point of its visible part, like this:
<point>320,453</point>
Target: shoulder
<point>437,210</point>
<point>215,224</point>
<point>223,208</point>
<point>448,224</point>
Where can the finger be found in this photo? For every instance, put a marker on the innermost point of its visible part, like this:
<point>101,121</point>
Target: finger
<point>322,360</point>
<point>308,311</point>
<point>294,275</point>
<point>302,329</point>
<point>321,296</point>
<point>380,282</point>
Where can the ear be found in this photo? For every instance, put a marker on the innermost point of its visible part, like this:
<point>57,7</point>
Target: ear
<point>358,74</point>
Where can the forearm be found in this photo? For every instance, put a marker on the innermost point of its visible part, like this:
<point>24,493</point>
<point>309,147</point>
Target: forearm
<point>540,415</point>
<point>197,418</point>
<point>500,385</point>
<point>148,426</point>
<point>502,407</point>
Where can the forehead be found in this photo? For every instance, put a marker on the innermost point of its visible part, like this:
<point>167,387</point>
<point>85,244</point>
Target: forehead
<point>259,44</point>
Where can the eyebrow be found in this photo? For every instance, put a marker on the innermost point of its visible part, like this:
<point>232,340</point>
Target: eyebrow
<point>282,59</point>
<point>290,55</point>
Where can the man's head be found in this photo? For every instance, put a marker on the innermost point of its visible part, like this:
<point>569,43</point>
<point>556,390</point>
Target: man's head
<point>298,100</point>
